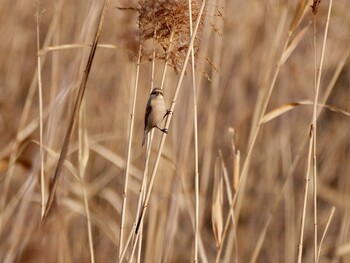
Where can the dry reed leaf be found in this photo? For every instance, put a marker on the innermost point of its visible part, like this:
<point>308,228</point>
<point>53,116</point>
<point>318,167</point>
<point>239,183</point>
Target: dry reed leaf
<point>48,49</point>
<point>289,106</point>
<point>67,164</point>
<point>279,111</point>
<point>115,159</point>
<point>108,227</point>
<point>236,163</point>
<point>330,217</point>
<point>83,160</point>
<point>83,142</point>
<point>298,15</point>
<point>236,159</point>
<point>293,44</point>
<point>332,108</point>
<point>112,197</point>
<point>225,177</point>
<point>216,209</point>
<point>76,109</point>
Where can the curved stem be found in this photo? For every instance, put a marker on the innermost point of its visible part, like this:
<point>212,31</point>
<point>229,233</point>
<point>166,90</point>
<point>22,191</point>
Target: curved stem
<point>195,124</point>
<point>127,166</point>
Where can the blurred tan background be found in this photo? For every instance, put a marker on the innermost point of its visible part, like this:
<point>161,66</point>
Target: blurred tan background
<point>244,40</point>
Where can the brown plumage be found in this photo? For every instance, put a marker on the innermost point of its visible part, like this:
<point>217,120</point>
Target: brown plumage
<point>155,112</point>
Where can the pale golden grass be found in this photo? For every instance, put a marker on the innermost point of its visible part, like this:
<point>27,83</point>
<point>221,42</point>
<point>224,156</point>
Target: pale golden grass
<point>251,122</point>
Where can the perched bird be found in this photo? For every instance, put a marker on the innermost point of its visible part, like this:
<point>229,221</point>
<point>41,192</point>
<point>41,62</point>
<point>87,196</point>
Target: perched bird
<point>155,112</point>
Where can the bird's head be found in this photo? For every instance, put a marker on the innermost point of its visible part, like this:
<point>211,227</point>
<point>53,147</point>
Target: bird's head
<point>157,92</point>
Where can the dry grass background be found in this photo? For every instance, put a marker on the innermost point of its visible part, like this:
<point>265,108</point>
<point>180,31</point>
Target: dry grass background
<point>244,40</point>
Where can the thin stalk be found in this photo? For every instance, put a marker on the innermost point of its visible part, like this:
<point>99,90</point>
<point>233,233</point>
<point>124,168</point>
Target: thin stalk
<point>168,120</point>
<point>145,170</point>
<point>22,126</point>
<point>75,112</point>
<point>299,152</point>
<point>149,142</point>
<point>139,206</point>
<point>131,234</point>
<point>144,188</point>
<point>298,156</point>
<point>83,149</point>
<point>229,197</point>
<point>306,189</point>
<point>167,123</point>
<point>53,120</point>
<point>325,231</point>
<point>138,239</point>
<point>213,112</point>
<point>89,229</point>
<point>195,123</point>
<point>40,93</point>
<point>261,239</point>
<point>314,124</point>
<point>246,164</point>
<point>127,165</point>
<point>314,121</point>
<point>257,128</point>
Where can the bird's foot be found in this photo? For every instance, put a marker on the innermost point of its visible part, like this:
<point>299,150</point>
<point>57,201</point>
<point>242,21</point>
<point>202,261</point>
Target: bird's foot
<point>165,130</point>
<point>168,112</point>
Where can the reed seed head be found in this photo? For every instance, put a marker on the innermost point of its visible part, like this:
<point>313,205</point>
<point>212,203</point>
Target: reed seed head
<point>168,24</point>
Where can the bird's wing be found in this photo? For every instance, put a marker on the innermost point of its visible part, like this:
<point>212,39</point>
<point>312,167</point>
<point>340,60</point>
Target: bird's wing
<point>148,112</point>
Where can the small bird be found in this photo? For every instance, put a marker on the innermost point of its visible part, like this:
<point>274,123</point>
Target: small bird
<point>155,112</point>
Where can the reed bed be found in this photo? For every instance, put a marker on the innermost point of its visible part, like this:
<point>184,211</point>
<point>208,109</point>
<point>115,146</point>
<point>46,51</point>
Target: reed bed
<point>254,167</point>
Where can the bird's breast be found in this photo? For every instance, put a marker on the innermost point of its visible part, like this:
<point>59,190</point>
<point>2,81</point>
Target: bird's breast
<point>158,108</point>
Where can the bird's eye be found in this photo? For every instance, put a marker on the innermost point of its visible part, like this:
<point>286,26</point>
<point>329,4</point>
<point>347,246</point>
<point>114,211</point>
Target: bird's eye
<point>156,93</point>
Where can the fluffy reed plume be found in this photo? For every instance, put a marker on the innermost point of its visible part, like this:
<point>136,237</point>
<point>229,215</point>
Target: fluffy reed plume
<point>167,22</point>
